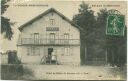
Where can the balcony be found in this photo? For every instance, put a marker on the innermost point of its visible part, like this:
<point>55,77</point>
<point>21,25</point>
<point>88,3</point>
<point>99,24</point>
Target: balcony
<point>31,41</point>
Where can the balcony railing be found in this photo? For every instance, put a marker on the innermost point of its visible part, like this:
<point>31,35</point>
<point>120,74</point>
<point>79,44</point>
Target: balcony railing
<point>31,41</point>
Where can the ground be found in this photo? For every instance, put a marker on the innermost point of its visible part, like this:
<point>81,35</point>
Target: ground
<point>63,72</point>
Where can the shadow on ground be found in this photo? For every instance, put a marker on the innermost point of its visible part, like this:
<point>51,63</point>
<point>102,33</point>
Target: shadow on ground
<point>15,72</point>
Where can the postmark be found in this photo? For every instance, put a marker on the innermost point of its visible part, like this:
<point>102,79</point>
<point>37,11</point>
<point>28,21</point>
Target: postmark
<point>115,23</point>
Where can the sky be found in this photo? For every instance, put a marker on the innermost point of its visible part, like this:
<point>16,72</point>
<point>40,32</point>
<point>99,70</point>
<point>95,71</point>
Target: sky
<point>24,12</point>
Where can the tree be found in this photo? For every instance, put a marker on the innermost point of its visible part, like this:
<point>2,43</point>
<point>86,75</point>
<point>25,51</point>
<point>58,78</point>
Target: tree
<point>101,25</point>
<point>100,33</point>
<point>5,22</point>
<point>115,46</point>
<point>94,38</point>
<point>86,20</point>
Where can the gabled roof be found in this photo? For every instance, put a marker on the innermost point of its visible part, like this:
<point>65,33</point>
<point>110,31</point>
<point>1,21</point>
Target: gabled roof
<point>46,12</point>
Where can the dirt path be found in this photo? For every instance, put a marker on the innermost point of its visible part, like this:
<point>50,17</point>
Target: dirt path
<point>57,72</point>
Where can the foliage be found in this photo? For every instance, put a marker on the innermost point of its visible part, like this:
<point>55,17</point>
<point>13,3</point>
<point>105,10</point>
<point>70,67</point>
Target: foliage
<point>4,6</point>
<point>86,20</point>
<point>5,22</point>
<point>95,40</point>
<point>117,49</point>
<point>114,46</point>
<point>13,58</point>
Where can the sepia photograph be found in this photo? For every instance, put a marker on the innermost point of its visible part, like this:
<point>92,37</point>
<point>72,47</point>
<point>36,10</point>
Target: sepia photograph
<point>63,40</point>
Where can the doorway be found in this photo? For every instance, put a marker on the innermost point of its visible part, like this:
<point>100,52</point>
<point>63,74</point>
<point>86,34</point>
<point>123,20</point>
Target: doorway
<point>50,50</point>
<point>51,57</point>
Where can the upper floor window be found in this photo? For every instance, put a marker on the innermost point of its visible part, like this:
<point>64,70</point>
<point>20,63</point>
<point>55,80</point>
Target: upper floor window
<point>67,51</point>
<point>52,38</point>
<point>36,35</point>
<point>66,36</point>
<point>36,38</point>
<point>52,35</point>
<point>52,21</point>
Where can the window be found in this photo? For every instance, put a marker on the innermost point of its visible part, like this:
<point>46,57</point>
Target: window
<point>37,51</point>
<point>66,38</point>
<point>52,38</point>
<point>67,51</point>
<point>36,38</point>
<point>52,35</point>
<point>28,51</point>
<point>33,51</point>
<point>52,21</point>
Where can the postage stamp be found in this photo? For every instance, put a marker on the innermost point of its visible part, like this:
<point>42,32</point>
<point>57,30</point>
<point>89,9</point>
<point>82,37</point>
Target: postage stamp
<point>115,24</point>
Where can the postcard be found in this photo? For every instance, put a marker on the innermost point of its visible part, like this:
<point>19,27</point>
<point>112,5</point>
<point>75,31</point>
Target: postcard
<point>63,40</point>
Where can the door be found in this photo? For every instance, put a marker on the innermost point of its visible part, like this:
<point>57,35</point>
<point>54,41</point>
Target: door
<point>49,56</point>
<point>50,50</point>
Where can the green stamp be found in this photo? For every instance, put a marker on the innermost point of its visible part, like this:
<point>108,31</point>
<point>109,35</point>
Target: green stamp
<point>115,24</point>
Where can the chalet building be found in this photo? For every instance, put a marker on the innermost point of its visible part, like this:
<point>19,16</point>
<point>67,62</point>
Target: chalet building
<point>49,38</point>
